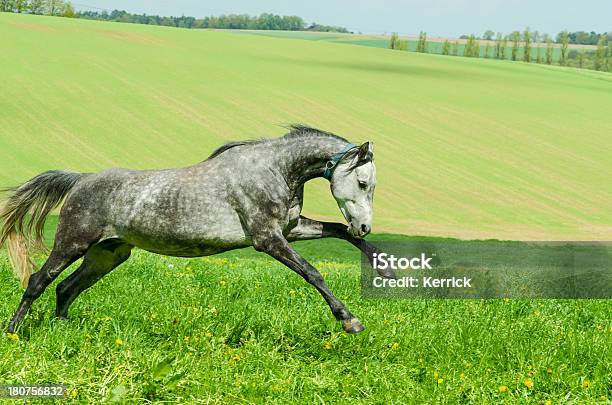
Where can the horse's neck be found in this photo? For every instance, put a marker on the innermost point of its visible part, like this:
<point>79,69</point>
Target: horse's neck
<point>301,160</point>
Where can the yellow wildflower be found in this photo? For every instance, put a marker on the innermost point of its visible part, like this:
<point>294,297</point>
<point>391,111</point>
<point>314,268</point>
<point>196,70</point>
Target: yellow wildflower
<point>119,341</point>
<point>327,345</point>
<point>440,381</point>
<point>462,376</point>
<point>395,346</point>
<point>586,384</point>
<point>528,383</point>
<point>13,336</point>
<point>502,389</point>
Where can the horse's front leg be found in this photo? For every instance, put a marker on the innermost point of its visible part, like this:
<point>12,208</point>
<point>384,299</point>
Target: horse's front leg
<point>278,247</point>
<point>311,229</point>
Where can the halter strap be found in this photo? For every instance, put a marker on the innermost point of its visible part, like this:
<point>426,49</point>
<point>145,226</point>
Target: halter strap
<point>337,157</point>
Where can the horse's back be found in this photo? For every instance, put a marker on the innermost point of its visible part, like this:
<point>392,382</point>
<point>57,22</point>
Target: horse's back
<point>183,212</point>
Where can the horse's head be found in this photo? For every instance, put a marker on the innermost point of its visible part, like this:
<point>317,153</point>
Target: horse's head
<point>352,184</point>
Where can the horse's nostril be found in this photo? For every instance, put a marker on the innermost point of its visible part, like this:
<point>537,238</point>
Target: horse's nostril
<point>365,228</point>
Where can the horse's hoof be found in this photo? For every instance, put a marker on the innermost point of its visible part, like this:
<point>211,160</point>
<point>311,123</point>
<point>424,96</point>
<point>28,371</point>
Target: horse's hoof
<point>61,317</point>
<point>352,325</point>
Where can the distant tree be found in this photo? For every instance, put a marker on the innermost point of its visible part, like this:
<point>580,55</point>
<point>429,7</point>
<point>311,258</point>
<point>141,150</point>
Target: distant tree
<point>446,47</point>
<point>67,10</point>
<point>393,41</point>
<point>402,45</point>
<point>37,6</point>
<point>165,21</point>
<point>472,47</point>
<point>564,48</point>
<point>538,54</point>
<point>20,6</point>
<point>527,45</point>
<point>503,47</point>
<point>498,40</point>
<point>549,51</point>
<point>422,43</point>
<point>488,35</point>
<point>601,54</point>
<point>467,49</point>
<point>487,49</point>
<point>54,7</point>
<point>456,48</point>
<point>6,5</point>
<point>396,43</point>
<point>516,43</point>
<point>581,58</point>
<point>582,37</point>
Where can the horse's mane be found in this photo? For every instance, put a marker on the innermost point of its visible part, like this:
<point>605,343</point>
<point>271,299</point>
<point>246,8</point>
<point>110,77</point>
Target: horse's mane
<point>295,131</point>
<point>230,145</point>
<point>299,130</point>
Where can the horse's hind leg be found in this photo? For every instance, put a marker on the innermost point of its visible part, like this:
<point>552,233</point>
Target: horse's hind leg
<point>57,262</point>
<point>99,260</point>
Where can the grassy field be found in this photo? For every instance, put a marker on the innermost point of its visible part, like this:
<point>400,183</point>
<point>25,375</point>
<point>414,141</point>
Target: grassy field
<point>240,327</point>
<point>464,148</point>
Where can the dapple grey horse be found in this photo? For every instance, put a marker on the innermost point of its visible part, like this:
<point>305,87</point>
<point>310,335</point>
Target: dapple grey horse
<point>246,193</point>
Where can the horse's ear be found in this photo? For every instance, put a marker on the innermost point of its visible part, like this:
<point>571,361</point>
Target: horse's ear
<point>365,154</point>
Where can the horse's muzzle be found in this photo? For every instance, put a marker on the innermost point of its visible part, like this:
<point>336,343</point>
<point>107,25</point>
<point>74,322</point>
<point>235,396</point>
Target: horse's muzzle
<point>360,231</point>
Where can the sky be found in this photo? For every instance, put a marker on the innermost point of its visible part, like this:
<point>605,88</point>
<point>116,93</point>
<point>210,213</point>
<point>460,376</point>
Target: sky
<point>443,18</point>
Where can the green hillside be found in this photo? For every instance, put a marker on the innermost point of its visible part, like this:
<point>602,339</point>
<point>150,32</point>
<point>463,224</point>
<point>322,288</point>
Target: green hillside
<point>464,147</point>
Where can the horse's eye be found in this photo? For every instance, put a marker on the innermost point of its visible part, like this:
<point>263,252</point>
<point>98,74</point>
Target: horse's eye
<point>363,185</point>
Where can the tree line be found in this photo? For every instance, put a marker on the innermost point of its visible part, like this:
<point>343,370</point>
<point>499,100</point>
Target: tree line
<point>585,38</point>
<point>526,46</point>
<point>264,21</point>
<point>45,7</point>
<point>575,38</point>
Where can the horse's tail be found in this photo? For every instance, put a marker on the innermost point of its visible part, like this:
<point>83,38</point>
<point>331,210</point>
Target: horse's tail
<point>36,197</point>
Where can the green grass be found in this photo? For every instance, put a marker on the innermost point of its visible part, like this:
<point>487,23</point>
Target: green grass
<point>464,147</point>
<point>241,327</point>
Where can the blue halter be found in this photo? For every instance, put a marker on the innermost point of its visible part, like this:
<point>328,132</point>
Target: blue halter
<point>337,157</point>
